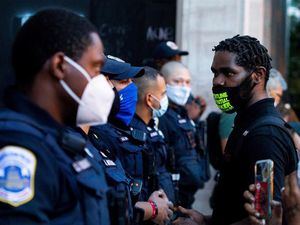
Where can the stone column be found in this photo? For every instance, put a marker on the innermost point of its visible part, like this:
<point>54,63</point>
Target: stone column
<point>201,24</point>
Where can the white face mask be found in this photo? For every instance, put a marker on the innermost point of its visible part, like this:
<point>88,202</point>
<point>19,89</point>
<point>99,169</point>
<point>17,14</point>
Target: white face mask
<point>96,100</point>
<point>178,94</point>
<point>164,103</point>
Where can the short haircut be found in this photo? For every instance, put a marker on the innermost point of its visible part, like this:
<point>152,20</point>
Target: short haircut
<point>171,68</point>
<point>146,82</point>
<point>47,32</point>
<point>250,53</point>
<point>275,80</point>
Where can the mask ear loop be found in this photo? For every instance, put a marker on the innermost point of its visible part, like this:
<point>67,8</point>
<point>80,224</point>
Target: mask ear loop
<point>252,85</point>
<point>78,67</point>
<point>156,100</point>
<point>82,71</point>
<point>110,83</point>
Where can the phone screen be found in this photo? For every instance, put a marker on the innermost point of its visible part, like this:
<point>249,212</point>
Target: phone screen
<point>264,187</point>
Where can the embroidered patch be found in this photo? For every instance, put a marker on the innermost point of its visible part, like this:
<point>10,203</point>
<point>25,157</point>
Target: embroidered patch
<point>17,171</point>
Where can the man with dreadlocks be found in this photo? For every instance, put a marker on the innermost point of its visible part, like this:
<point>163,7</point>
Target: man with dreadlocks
<point>241,70</point>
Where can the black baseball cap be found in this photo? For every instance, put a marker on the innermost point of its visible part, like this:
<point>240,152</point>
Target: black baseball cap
<point>117,69</point>
<point>167,49</point>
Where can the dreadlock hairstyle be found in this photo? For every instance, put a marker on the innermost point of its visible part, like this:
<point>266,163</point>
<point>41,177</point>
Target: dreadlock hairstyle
<point>250,54</point>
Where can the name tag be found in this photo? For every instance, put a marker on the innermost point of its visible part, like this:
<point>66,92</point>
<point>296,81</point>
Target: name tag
<point>81,165</point>
<point>153,134</point>
<point>181,121</point>
<point>109,162</point>
<point>175,176</point>
<point>123,139</point>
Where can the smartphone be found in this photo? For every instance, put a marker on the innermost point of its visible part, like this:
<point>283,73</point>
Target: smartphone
<point>298,168</point>
<point>264,173</point>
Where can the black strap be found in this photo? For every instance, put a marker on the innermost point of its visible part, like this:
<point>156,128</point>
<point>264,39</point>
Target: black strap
<point>268,120</point>
<point>136,134</point>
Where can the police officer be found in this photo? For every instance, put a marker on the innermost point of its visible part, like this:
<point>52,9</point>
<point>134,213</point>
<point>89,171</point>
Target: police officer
<point>153,103</point>
<point>48,175</point>
<point>195,107</point>
<point>179,132</point>
<point>126,143</point>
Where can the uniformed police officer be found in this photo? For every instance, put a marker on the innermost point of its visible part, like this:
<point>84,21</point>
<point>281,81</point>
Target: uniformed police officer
<point>179,132</point>
<point>48,175</point>
<point>153,103</point>
<point>123,141</point>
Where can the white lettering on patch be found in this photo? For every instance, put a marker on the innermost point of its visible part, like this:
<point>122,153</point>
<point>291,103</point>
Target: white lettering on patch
<point>17,171</point>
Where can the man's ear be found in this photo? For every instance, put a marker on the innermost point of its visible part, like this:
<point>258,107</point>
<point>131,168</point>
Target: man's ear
<point>148,99</point>
<point>58,66</point>
<point>259,75</point>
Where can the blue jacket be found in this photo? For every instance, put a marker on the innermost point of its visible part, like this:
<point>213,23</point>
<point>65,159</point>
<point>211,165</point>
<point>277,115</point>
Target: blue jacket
<point>128,149</point>
<point>119,198</point>
<point>179,132</point>
<point>155,159</point>
<point>47,173</point>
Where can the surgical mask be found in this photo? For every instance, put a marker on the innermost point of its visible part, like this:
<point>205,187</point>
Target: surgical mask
<point>233,99</point>
<point>164,103</point>
<point>96,100</point>
<point>178,94</point>
<point>128,100</point>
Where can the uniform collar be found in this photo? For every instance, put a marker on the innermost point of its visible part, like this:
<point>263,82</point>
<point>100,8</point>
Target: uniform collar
<point>19,102</point>
<point>138,123</point>
<point>118,124</point>
<point>181,110</point>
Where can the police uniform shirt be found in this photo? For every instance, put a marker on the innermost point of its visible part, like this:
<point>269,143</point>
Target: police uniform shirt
<point>33,188</point>
<point>128,150</point>
<point>179,133</point>
<point>156,146</point>
<point>237,172</point>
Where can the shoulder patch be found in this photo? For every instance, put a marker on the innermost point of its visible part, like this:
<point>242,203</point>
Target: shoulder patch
<point>17,171</point>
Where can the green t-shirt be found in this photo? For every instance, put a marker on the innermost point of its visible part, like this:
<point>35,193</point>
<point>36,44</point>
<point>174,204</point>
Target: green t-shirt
<point>225,124</point>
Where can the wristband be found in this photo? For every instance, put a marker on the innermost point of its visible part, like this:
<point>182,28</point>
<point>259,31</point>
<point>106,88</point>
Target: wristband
<point>154,209</point>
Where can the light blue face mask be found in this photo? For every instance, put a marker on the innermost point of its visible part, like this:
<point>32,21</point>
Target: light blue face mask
<point>178,94</point>
<point>128,100</point>
<point>164,103</point>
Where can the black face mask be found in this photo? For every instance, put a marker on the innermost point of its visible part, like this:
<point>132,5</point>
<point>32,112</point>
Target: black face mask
<point>233,99</point>
<point>115,106</point>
